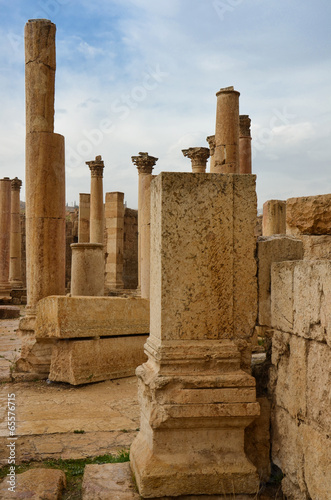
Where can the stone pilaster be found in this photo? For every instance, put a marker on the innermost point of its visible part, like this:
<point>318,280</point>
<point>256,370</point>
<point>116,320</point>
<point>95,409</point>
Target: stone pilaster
<point>15,271</point>
<point>5,218</point>
<point>198,157</point>
<point>227,132</point>
<point>274,217</point>
<point>96,200</point>
<point>196,399</point>
<point>84,218</point>
<point>245,145</point>
<point>114,218</point>
<point>144,164</point>
<point>211,141</point>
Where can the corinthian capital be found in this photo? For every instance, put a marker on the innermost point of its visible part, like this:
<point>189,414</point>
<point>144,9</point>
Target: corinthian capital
<point>144,163</point>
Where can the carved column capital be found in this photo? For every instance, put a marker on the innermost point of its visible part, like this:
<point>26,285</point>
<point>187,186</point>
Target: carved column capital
<point>96,166</point>
<point>244,126</point>
<point>198,157</point>
<point>211,141</point>
<point>144,163</point>
<point>16,184</point>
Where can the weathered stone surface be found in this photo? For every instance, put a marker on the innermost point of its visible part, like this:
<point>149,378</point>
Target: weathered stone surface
<point>114,222</point>
<point>317,466</point>
<point>7,312</point>
<point>109,481</point>
<point>84,218</point>
<point>282,313</point>
<point>245,145</point>
<point>226,156</point>
<point>79,317</point>
<point>274,217</point>
<point>37,484</point>
<point>318,387</point>
<point>86,361</point>
<point>87,269</point>
<point>257,440</point>
<point>309,215</point>
<point>272,249</point>
<point>316,247</point>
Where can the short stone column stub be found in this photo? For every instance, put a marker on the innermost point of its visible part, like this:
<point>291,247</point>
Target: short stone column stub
<point>5,220</point>
<point>15,271</point>
<point>145,164</point>
<point>227,131</point>
<point>87,269</point>
<point>191,439</point>
<point>84,218</point>
<point>114,220</point>
<point>198,157</point>
<point>96,200</point>
<point>211,141</point>
<point>245,145</point>
<point>274,217</point>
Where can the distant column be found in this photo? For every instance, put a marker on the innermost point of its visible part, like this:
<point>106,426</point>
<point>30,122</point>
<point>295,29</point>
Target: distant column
<point>96,200</point>
<point>274,217</point>
<point>245,145</point>
<point>15,271</point>
<point>144,164</point>
<point>114,219</point>
<point>211,141</point>
<point>198,157</point>
<point>5,202</point>
<point>227,132</point>
<point>84,218</point>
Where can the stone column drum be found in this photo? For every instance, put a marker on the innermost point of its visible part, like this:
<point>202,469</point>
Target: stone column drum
<point>84,218</point>
<point>144,164</point>
<point>5,218</point>
<point>211,141</point>
<point>114,219</point>
<point>274,217</point>
<point>96,200</point>
<point>245,145</point>
<point>15,271</point>
<point>227,132</point>
<point>198,157</point>
<point>195,397</point>
<point>87,269</point>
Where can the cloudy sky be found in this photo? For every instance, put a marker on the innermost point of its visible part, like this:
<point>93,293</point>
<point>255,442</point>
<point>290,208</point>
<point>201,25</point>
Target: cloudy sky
<point>141,75</point>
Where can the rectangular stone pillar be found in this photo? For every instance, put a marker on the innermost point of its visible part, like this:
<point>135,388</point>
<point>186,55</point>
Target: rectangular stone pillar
<point>5,219</point>
<point>274,217</point>
<point>114,217</point>
<point>196,399</point>
<point>84,218</point>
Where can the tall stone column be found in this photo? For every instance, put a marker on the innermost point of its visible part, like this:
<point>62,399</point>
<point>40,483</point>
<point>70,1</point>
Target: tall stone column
<point>144,164</point>
<point>211,141</point>
<point>245,145</point>
<point>198,157</point>
<point>227,132</point>
<point>45,191</point>
<point>84,218</point>
<point>274,217</point>
<point>195,397</point>
<point>5,202</point>
<point>96,200</point>
<point>114,218</point>
<point>15,271</point>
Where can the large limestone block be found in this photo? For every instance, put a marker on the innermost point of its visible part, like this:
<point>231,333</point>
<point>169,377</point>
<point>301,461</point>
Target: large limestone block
<point>282,278</point>
<point>206,289</point>
<point>79,317</point>
<point>316,247</point>
<point>85,361</point>
<point>309,215</point>
<point>317,465</point>
<point>312,300</point>
<point>319,386</point>
<point>272,249</point>
<point>274,217</point>
<point>37,484</point>
<point>257,440</point>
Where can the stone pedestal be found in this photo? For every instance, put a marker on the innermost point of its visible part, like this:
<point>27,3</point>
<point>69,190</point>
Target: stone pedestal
<point>114,218</point>
<point>198,157</point>
<point>15,272</point>
<point>227,132</point>
<point>87,269</point>
<point>196,399</point>
<point>211,141</point>
<point>5,202</point>
<point>84,218</point>
<point>144,164</point>
<point>274,217</point>
<point>245,145</point>
<point>96,200</point>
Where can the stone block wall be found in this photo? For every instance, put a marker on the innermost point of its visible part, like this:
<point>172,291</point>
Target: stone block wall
<point>300,377</point>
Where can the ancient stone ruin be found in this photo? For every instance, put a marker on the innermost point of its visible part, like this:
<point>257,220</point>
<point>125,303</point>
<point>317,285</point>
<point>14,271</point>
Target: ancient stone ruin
<point>224,327</point>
